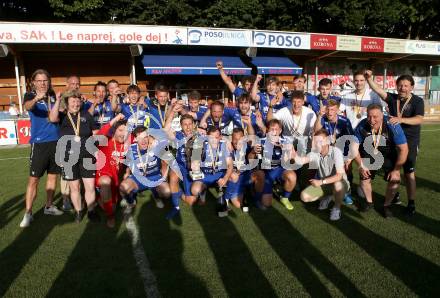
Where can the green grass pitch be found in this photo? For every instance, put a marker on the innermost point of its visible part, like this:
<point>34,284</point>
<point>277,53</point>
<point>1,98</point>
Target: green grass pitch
<point>260,254</point>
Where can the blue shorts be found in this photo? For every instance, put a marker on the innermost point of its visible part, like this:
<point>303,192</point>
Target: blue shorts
<point>271,176</point>
<point>235,189</point>
<point>211,179</point>
<point>147,182</point>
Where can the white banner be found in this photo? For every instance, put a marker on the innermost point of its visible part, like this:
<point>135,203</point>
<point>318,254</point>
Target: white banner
<point>422,47</point>
<point>8,135</point>
<point>269,39</point>
<point>90,34</point>
<point>219,37</point>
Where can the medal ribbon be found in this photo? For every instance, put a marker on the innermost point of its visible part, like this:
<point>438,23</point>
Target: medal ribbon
<point>78,123</point>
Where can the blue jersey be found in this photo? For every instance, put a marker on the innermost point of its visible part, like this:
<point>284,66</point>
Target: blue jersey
<point>157,114</point>
<point>148,164</point>
<point>240,159</point>
<point>239,123</point>
<point>181,140</point>
<point>102,113</point>
<point>315,102</point>
<point>393,135</point>
<point>42,130</point>
<point>227,117</point>
<point>272,153</point>
<point>136,115</point>
<point>340,128</point>
<point>239,92</point>
<point>215,162</point>
<point>200,112</point>
<point>264,103</point>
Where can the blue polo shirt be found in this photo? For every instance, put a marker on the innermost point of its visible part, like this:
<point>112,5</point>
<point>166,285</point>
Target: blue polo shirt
<point>42,130</point>
<point>393,135</point>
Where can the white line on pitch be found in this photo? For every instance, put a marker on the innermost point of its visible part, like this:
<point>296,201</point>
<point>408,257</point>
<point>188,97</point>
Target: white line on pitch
<point>147,276</point>
<point>11,158</point>
<point>423,130</point>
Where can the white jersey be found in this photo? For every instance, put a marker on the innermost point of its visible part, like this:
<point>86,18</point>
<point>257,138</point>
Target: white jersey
<point>355,106</point>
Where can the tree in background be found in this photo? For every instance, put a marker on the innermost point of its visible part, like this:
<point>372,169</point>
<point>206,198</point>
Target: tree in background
<point>386,18</point>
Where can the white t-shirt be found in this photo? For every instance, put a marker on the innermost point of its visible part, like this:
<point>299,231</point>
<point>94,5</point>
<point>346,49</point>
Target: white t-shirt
<point>353,104</point>
<point>297,128</point>
<point>296,125</point>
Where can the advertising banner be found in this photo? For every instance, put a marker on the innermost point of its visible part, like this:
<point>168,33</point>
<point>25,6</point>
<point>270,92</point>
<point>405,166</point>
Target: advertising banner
<point>91,34</point>
<point>323,42</point>
<point>349,43</point>
<point>8,136</point>
<point>24,131</point>
<point>219,37</point>
<point>422,47</point>
<point>372,44</point>
<point>268,39</point>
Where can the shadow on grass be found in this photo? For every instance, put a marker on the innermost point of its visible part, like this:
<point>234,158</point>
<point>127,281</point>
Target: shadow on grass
<point>422,182</point>
<point>240,273</point>
<point>418,220</point>
<point>418,274</point>
<point>100,265</point>
<point>163,245</point>
<point>297,253</point>
<point>10,209</point>
<point>15,256</point>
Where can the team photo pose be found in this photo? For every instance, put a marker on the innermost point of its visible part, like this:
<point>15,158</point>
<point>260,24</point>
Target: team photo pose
<point>271,150</point>
<point>77,162</point>
<point>111,168</point>
<point>381,145</point>
<point>331,181</point>
<point>215,164</point>
<point>244,174</point>
<point>44,136</point>
<point>408,110</point>
<point>145,164</point>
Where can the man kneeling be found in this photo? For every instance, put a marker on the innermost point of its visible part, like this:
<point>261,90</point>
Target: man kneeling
<point>331,180</point>
<point>144,162</point>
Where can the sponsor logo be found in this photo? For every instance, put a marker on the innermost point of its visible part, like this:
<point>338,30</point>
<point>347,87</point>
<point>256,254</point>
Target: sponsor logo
<point>277,40</point>
<point>194,36</point>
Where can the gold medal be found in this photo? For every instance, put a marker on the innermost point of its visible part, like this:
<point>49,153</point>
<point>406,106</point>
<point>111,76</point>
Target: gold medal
<point>162,118</point>
<point>76,127</point>
<point>376,139</point>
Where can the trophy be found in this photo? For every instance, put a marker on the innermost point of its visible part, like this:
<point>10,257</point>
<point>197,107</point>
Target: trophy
<point>195,161</point>
<point>222,208</point>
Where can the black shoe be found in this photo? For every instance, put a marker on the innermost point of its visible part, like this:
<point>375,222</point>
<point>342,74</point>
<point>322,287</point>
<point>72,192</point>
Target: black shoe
<point>366,207</point>
<point>78,217</point>
<point>396,200</point>
<point>410,209</point>
<point>387,213</point>
<point>93,216</point>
